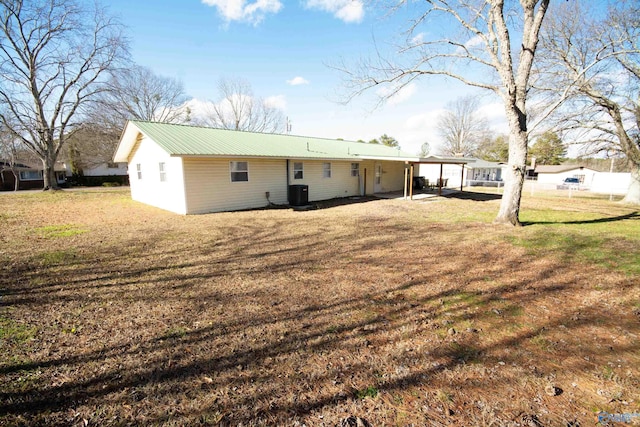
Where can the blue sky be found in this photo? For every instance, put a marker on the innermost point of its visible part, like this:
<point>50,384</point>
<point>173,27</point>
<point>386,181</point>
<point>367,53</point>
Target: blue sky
<point>275,43</point>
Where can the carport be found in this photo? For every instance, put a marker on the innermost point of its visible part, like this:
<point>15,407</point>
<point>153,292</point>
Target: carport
<point>437,160</point>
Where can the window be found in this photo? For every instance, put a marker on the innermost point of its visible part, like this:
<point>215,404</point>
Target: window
<point>112,165</point>
<point>355,169</point>
<point>163,172</point>
<point>298,172</point>
<point>239,171</point>
<point>326,170</point>
<point>139,170</point>
<point>30,175</point>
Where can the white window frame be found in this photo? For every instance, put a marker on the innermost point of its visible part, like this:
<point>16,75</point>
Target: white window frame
<point>298,168</point>
<point>355,169</point>
<point>163,171</point>
<point>326,169</point>
<point>29,175</point>
<point>139,170</point>
<point>236,171</point>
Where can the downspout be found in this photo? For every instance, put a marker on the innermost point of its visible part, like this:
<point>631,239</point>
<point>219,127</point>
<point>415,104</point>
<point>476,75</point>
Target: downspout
<point>288,201</point>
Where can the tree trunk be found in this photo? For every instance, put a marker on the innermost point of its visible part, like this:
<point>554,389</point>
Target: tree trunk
<point>49,173</point>
<point>633,193</point>
<point>509,212</point>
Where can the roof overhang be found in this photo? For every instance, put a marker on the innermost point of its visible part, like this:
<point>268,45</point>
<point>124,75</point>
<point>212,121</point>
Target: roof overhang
<point>126,143</point>
<point>265,157</point>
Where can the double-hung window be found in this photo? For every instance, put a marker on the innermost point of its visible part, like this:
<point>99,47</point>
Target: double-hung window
<point>163,171</point>
<point>326,170</point>
<point>298,170</point>
<point>239,171</point>
<point>139,170</point>
<point>355,169</point>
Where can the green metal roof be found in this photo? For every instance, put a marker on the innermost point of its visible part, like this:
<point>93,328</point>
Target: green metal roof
<point>185,141</point>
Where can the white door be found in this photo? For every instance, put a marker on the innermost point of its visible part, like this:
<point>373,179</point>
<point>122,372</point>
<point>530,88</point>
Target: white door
<point>377,178</point>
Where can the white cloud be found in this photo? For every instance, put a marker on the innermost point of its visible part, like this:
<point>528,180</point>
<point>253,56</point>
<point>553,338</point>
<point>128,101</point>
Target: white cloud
<point>345,10</point>
<point>494,113</point>
<point>243,11</point>
<point>400,96</point>
<point>296,81</point>
<point>423,120</point>
<point>277,101</point>
<point>417,39</point>
<point>476,41</point>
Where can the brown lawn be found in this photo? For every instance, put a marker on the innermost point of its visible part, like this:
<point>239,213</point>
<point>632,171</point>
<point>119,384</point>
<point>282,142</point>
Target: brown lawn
<point>402,313</point>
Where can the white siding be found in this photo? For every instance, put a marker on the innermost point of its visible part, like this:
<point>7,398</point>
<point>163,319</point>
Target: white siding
<point>167,195</point>
<point>103,170</point>
<point>392,176</point>
<point>611,183</point>
<point>341,183</point>
<point>209,186</point>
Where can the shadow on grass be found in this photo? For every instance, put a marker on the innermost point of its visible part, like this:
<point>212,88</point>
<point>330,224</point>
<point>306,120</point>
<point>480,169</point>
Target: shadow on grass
<point>631,216</point>
<point>474,196</point>
<point>262,326</point>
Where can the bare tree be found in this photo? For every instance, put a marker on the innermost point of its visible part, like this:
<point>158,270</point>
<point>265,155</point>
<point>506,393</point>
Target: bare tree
<point>54,56</point>
<point>239,109</point>
<point>89,146</point>
<point>137,93</point>
<point>425,149</point>
<point>591,70</point>
<point>132,93</point>
<point>462,128</point>
<point>489,44</point>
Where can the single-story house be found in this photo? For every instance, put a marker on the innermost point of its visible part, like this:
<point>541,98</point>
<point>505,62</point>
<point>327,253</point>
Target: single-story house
<point>102,170</point>
<point>191,170</point>
<point>484,173</point>
<point>29,177</point>
<point>556,174</point>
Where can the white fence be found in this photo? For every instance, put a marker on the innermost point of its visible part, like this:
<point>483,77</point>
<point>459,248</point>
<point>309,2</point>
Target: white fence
<point>614,184</point>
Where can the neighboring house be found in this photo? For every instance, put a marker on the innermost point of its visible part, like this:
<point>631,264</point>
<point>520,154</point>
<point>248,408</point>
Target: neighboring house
<point>104,172</point>
<point>30,177</point>
<point>191,170</point>
<point>556,174</point>
<point>485,174</point>
<point>89,150</point>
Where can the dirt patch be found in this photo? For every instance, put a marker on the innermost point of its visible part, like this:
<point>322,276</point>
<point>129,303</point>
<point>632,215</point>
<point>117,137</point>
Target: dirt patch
<point>386,310</point>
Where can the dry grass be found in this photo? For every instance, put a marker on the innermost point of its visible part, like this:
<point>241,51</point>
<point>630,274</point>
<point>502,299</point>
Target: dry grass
<point>423,313</point>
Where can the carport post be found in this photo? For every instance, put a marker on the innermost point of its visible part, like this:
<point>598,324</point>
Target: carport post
<point>462,177</point>
<point>411,182</point>
<point>405,181</point>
